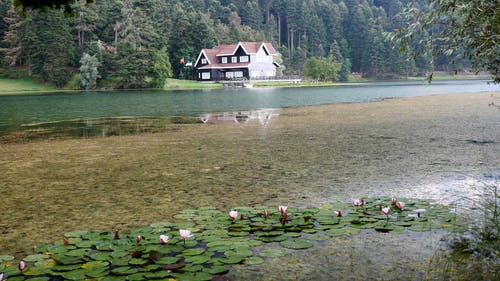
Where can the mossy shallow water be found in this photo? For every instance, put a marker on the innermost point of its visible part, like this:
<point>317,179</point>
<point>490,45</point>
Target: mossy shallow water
<point>218,241</point>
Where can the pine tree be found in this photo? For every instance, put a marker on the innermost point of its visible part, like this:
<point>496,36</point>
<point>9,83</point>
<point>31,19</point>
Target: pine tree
<point>11,38</point>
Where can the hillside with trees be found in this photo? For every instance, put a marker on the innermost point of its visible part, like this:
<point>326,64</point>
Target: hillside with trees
<point>139,43</point>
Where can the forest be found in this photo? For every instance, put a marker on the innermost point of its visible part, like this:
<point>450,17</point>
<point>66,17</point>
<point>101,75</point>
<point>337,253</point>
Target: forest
<point>139,43</point>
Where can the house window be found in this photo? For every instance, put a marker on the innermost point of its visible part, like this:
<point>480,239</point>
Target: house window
<point>203,61</point>
<point>234,59</point>
<point>243,58</point>
<point>205,75</point>
<point>224,59</point>
<point>234,74</point>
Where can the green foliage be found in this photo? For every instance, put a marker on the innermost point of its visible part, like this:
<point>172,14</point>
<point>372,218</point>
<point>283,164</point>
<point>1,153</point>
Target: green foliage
<point>351,31</point>
<point>322,69</point>
<point>89,72</point>
<point>458,29</point>
<point>161,68</point>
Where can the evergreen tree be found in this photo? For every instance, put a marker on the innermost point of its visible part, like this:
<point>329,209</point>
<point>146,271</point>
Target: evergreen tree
<point>161,68</point>
<point>11,38</point>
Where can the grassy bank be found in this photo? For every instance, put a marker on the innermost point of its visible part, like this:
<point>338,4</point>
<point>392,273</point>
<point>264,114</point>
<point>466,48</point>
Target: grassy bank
<point>177,84</point>
<point>22,85</point>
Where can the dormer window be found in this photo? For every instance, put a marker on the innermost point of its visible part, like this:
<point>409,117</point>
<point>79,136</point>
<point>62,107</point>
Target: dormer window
<point>203,61</point>
<point>224,60</point>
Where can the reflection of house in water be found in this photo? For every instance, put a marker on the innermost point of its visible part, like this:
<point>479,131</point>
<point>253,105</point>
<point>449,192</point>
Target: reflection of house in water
<point>262,115</point>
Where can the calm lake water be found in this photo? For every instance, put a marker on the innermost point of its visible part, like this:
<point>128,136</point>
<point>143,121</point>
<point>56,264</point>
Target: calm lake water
<point>28,109</point>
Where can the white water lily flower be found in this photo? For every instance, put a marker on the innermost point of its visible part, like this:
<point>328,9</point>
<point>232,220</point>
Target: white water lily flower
<point>164,239</point>
<point>233,215</point>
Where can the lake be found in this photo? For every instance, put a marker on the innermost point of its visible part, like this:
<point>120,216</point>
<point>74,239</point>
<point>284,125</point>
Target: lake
<point>34,109</point>
<point>441,148</point>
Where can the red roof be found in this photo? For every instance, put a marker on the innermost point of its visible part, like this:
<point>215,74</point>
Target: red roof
<point>250,48</point>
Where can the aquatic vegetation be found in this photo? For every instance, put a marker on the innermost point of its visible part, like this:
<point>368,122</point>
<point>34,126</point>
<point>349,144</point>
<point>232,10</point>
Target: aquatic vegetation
<point>204,243</point>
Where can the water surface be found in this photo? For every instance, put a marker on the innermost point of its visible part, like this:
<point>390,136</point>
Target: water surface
<point>27,109</point>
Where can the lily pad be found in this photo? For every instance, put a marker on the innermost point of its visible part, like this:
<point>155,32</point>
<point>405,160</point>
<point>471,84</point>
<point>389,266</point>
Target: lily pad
<point>4,258</point>
<point>167,260</point>
<point>296,244</point>
<point>126,270</point>
<point>216,270</point>
<point>193,252</point>
<point>273,253</point>
<point>196,259</point>
<point>35,258</point>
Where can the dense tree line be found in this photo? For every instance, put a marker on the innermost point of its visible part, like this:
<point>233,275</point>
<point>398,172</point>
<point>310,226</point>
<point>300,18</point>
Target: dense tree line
<point>139,43</point>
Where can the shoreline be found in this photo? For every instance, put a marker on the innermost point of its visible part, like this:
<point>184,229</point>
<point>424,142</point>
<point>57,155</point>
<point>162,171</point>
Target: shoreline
<point>258,84</point>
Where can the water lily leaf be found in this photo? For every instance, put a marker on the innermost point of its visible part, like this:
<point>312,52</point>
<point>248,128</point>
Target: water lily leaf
<point>119,261</point>
<point>137,261</point>
<point>35,271</point>
<point>136,277</point>
<point>66,267</point>
<point>35,258</point>
<point>273,252</point>
<point>239,253</point>
<point>216,270</point>
<point>125,270</point>
<point>4,258</point>
<point>167,260</point>
<point>76,253</point>
<point>269,233</point>
<point>239,233</point>
<point>232,259</point>
<point>192,268</point>
<point>149,268</point>
<point>194,276</point>
<point>296,244</point>
<point>155,275</point>
<point>112,278</point>
<point>292,234</point>
<point>193,252</point>
<point>196,259</point>
<point>272,239</point>
<point>64,259</point>
<point>100,256</point>
<point>74,275</point>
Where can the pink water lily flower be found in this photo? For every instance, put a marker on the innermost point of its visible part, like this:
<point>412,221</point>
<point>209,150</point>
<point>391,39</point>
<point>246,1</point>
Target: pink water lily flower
<point>265,214</point>
<point>164,239</point>
<point>22,265</point>
<point>339,213</point>
<point>282,209</point>
<point>400,205</point>
<point>357,202</point>
<point>393,201</point>
<point>184,233</point>
<point>138,238</point>
<point>386,210</point>
<point>233,215</point>
<point>1,276</point>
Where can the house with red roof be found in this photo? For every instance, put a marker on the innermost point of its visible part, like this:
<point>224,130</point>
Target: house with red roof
<point>245,60</point>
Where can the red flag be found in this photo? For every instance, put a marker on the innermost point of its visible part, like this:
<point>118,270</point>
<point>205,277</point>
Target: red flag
<point>181,61</point>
